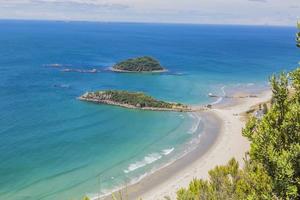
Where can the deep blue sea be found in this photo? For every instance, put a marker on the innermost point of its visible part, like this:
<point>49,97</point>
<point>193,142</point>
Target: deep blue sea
<point>53,146</point>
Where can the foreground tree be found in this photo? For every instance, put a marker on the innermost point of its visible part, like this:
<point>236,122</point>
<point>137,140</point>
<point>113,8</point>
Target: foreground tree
<point>230,182</point>
<point>275,140</point>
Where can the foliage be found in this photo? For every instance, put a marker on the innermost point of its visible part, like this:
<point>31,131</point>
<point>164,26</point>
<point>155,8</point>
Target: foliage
<point>139,64</point>
<point>230,182</point>
<point>86,198</point>
<point>137,99</point>
<point>275,140</point>
<point>295,76</point>
<point>119,196</point>
<point>265,108</point>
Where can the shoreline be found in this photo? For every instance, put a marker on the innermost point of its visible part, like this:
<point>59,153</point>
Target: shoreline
<point>112,103</point>
<point>220,140</point>
<point>188,108</point>
<point>208,137</point>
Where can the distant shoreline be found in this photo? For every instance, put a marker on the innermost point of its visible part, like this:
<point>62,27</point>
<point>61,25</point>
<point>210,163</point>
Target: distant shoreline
<point>188,109</point>
<point>135,100</point>
<point>91,97</point>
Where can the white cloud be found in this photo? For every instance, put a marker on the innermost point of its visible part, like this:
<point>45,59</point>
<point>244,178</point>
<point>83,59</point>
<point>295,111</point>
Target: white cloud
<point>97,3</point>
<point>276,12</point>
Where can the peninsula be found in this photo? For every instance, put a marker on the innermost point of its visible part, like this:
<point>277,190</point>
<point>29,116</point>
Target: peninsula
<point>134,100</point>
<point>139,64</point>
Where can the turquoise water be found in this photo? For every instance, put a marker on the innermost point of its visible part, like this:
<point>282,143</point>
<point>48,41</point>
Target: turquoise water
<point>53,146</point>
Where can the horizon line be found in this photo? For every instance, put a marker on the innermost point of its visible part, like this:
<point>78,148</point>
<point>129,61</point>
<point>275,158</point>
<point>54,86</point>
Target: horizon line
<point>145,22</point>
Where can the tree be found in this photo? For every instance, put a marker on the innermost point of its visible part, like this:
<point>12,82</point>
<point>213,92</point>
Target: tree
<point>295,76</point>
<point>265,108</point>
<point>230,182</point>
<point>275,140</point>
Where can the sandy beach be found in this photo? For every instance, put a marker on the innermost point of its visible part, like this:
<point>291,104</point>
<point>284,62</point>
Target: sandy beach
<point>230,143</point>
<point>220,141</point>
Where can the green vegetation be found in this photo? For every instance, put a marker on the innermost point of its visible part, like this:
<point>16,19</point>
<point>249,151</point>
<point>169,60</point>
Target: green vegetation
<point>265,108</point>
<point>272,166</point>
<point>140,64</point>
<point>136,99</point>
<point>230,182</point>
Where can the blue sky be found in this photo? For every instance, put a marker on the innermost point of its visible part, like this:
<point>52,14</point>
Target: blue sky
<point>257,12</point>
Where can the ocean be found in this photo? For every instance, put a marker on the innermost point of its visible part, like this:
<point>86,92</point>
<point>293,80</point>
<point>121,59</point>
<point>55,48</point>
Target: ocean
<point>53,146</point>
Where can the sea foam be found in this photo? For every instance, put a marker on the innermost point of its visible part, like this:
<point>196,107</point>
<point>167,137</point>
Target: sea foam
<point>195,126</point>
<point>167,151</point>
<point>221,97</point>
<point>150,158</point>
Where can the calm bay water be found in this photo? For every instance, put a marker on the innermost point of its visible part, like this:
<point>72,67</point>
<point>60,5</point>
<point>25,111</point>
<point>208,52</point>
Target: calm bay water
<point>53,146</point>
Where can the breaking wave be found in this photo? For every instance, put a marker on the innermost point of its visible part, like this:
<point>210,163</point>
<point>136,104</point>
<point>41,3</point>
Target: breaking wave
<point>221,97</point>
<point>167,151</point>
<point>196,125</point>
<point>150,158</point>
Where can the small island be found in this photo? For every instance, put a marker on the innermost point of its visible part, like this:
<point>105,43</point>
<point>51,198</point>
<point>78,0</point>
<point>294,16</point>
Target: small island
<point>134,100</point>
<point>138,65</point>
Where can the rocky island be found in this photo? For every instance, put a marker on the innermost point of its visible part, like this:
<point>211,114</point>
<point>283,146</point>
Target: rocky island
<point>139,64</point>
<point>134,100</point>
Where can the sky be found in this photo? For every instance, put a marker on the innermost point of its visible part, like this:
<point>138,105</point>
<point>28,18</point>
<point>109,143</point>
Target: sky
<point>248,12</point>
